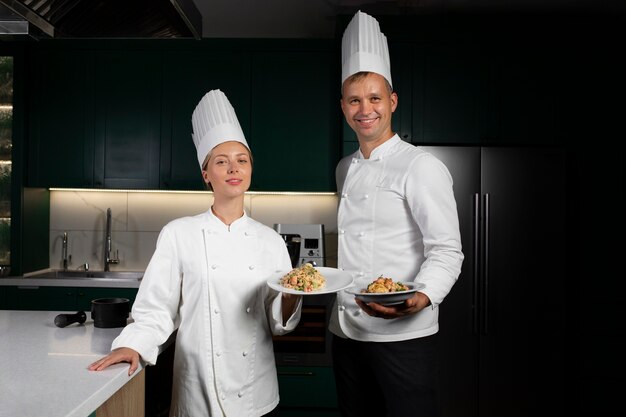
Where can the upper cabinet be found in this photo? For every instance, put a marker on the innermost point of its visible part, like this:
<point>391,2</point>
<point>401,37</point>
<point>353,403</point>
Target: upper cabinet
<point>189,72</point>
<point>474,91</point>
<point>60,141</point>
<point>127,116</point>
<point>115,114</point>
<point>94,117</point>
<point>295,115</point>
<point>449,94</point>
<point>488,80</point>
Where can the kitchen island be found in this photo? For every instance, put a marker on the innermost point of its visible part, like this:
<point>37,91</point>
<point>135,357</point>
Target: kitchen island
<point>44,370</point>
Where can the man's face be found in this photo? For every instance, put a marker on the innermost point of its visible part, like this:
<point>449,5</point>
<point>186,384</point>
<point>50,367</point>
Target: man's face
<point>367,106</point>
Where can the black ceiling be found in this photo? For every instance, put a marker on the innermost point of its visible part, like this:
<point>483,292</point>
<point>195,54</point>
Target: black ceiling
<point>110,18</point>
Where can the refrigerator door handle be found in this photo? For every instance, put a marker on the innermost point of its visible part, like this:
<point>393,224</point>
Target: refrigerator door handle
<point>485,264</point>
<point>476,251</point>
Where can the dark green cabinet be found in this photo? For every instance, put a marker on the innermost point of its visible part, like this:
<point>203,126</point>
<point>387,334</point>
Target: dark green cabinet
<point>459,84</point>
<point>3,298</point>
<point>476,92</point>
<point>41,298</point>
<point>295,112</point>
<point>117,114</point>
<point>449,94</point>
<point>307,391</point>
<point>188,75</point>
<point>60,114</point>
<point>442,94</point>
<point>60,298</point>
<point>94,117</point>
<point>127,113</point>
<point>530,91</point>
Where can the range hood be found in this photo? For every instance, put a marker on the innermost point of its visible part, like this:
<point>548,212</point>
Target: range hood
<point>40,19</point>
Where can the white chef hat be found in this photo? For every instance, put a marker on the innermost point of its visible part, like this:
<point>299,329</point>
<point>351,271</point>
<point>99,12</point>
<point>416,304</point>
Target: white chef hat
<point>214,121</point>
<point>364,48</point>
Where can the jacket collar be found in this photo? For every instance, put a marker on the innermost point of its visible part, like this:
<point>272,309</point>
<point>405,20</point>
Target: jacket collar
<point>216,224</point>
<point>383,149</point>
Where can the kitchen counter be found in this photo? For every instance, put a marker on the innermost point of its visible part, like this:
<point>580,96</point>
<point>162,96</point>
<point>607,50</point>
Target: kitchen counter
<point>44,368</point>
<point>69,282</point>
<point>28,280</point>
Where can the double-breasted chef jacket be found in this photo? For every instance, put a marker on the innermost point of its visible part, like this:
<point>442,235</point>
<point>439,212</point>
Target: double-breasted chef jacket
<point>397,217</point>
<point>208,281</point>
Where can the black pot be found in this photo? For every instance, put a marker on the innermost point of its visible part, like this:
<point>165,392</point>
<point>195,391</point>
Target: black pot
<point>110,312</point>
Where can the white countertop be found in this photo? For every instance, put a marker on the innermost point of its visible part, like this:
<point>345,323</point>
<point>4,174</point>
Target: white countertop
<point>44,367</point>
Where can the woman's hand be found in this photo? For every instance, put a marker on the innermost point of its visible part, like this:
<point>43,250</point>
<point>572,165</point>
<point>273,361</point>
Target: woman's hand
<point>118,355</point>
<point>288,305</point>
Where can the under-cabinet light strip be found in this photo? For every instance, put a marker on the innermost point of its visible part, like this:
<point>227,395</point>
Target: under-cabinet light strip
<point>108,190</point>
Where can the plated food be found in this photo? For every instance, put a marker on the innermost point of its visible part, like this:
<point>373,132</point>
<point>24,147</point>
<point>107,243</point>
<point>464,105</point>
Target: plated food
<point>384,284</point>
<point>335,280</point>
<point>304,278</point>
<point>385,291</point>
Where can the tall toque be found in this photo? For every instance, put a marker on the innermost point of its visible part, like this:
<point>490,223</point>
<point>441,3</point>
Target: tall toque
<point>214,121</point>
<point>364,48</point>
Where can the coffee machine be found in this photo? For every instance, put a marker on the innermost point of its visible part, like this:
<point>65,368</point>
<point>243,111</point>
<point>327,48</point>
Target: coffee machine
<point>305,243</point>
<point>309,344</point>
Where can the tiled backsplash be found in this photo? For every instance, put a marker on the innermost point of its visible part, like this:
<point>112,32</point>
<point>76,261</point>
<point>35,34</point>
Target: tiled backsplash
<point>138,217</point>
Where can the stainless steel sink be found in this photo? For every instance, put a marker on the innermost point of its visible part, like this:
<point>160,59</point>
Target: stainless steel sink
<point>102,275</point>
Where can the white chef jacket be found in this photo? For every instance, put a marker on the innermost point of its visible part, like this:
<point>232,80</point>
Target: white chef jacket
<point>397,217</point>
<point>208,280</point>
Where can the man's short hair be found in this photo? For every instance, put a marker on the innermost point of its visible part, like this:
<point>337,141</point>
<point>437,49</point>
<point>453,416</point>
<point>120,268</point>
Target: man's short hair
<point>359,76</point>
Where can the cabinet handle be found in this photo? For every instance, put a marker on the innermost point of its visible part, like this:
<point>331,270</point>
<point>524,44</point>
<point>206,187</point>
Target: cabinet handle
<point>485,263</point>
<point>476,266</point>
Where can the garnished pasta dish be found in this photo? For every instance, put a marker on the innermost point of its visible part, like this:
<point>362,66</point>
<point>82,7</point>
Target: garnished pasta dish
<point>383,284</point>
<point>304,278</point>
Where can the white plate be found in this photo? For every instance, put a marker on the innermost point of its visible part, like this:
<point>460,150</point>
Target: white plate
<point>336,280</point>
<point>386,298</point>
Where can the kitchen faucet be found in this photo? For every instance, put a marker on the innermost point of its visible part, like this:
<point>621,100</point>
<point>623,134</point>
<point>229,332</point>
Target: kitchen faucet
<point>64,251</point>
<point>107,244</point>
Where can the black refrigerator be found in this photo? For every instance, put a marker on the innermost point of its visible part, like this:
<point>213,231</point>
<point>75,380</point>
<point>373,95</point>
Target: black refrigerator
<point>503,327</point>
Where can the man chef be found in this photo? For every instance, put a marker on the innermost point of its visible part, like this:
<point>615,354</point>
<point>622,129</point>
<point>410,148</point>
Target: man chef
<point>397,217</point>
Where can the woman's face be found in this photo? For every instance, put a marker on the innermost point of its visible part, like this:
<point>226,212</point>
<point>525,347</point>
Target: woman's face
<point>229,169</point>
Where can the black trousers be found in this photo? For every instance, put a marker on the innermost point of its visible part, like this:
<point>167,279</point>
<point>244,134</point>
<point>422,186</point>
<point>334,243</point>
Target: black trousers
<point>393,379</point>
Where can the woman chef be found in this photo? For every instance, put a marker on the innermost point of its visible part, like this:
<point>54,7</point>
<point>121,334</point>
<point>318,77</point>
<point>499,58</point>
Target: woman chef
<point>207,278</point>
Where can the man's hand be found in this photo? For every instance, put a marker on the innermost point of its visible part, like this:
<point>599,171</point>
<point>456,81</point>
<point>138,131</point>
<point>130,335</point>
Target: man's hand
<point>413,305</point>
